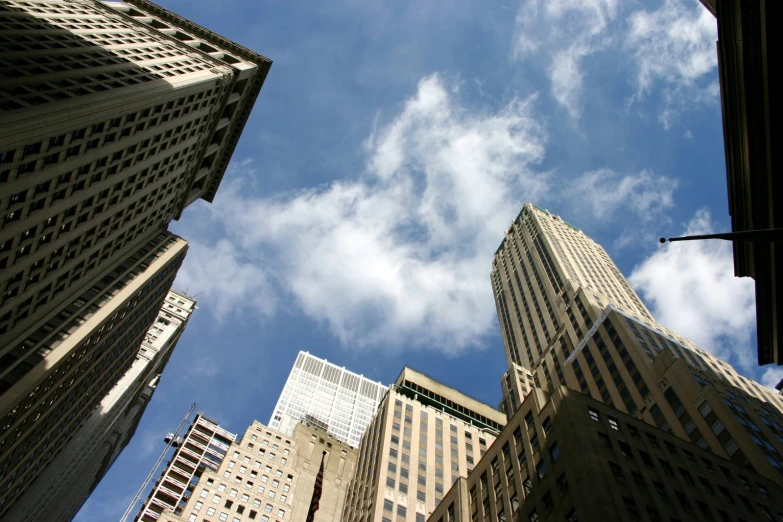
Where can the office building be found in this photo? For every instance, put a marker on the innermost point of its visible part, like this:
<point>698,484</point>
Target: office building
<point>540,257</point>
<point>59,492</point>
<point>202,449</point>
<point>566,456</point>
<point>344,401</point>
<point>80,356</point>
<point>116,116</point>
<point>620,356</point>
<point>269,477</point>
<point>745,62</point>
<point>424,437</point>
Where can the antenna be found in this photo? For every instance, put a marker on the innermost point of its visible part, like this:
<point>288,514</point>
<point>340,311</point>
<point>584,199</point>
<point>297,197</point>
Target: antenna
<point>171,439</point>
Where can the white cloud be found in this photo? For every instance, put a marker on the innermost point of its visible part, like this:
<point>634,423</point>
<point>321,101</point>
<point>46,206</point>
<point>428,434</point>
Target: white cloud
<point>402,254</point>
<point>690,287</point>
<point>605,192</point>
<point>569,30</point>
<point>223,278</point>
<point>674,48</point>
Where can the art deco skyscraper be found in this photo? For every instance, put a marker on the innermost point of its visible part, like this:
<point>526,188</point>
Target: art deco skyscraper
<point>116,116</point>
<point>424,437</point>
<point>612,416</point>
<point>59,492</point>
<point>344,401</point>
<point>539,258</point>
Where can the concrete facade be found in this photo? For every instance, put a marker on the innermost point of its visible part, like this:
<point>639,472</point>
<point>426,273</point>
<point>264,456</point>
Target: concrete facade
<point>44,409</point>
<point>116,116</point>
<point>269,477</point>
<point>572,458</point>
<point>343,401</point>
<point>59,492</point>
<point>424,437</point>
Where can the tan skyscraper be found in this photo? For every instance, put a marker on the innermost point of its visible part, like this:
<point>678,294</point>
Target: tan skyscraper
<point>541,257</point>
<point>116,116</point>
<point>424,437</point>
<point>622,419</point>
<point>266,476</point>
<point>59,492</point>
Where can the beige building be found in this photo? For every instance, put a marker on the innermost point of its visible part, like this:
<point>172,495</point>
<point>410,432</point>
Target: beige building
<point>540,258</point>
<point>201,450</point>
<point>424,437</point>
<point>59,492</point>
<point>569,457</point>
<point>267,476</point>
<point>116,116</point>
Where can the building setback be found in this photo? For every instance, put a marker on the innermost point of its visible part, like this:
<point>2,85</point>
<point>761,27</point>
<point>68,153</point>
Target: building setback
<point>424,437</point>
<point>343,401</point>
<point>569,457</point>
<point>269,477</point>
<point>59,492</point>
<point>202,449</point>
<point>116,116</point>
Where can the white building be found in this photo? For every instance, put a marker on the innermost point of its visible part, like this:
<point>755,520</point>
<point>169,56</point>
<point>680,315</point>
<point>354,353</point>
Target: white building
<point>345,401</point>
<point>59,492</point>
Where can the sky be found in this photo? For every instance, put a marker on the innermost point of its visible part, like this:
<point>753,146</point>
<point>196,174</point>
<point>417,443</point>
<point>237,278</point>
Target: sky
<point>390,148</point>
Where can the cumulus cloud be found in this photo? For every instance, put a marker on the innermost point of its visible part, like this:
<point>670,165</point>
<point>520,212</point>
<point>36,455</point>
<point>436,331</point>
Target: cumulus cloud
<point>674,48</point>
<point>690,287</point>
<point>605,192</point>
<point>401,254</point>
<point>566,31</point>
<point>224,277</point>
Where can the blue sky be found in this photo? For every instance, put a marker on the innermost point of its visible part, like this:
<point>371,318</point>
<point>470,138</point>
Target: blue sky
<point>392,144</point>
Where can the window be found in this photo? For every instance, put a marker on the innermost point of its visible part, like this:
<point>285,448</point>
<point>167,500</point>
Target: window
<point>594,415</point>
<point>562,484</point>
<point>613,424</point>
<point>541,469</point>
<point>554,452</point>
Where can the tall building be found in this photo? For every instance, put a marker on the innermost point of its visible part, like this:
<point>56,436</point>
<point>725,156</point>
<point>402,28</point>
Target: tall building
<point>622,357</point>
<point>424,437</point>
<point>542,259</point>
<point>202,449</point>
<point>346,402</point>
<point>269,477</point>
<point>116,116</point>
<point>616,417</point>
<point>59,492</point>
<point>80,354</point>
<point>566,456</point>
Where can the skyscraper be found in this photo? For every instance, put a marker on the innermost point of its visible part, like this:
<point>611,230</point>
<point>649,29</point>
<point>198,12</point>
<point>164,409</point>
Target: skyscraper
<point>622,419</point>
<point>81,354</point>
<point>344,401</point>
<point>424,437</point>
<point>116,116</point>
<point>202,449</point>
<point>59,492</point>
<point>542,260</point>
